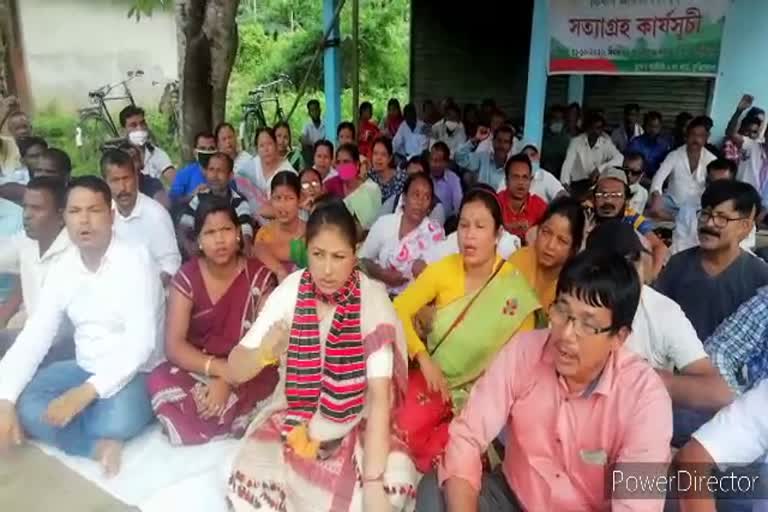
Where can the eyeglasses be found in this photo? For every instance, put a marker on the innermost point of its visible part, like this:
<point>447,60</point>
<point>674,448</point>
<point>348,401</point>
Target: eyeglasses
<point>559,317</point>
<point>307,184</point>
<point>609,195</point>
<point>720,221</point>
<point>634,173</point>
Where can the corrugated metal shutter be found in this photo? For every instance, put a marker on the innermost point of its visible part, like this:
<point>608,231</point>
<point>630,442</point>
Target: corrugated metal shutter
<point>557,90</point>
<point>668,95</point>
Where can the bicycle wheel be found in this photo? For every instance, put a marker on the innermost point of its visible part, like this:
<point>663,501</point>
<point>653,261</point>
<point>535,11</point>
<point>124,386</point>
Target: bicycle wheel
<point>93,132</point>
<point>252,121</point>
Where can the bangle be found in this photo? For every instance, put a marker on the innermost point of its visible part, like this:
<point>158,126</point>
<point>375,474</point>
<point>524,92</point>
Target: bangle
<point>373,479</point>
<point>208,366</point>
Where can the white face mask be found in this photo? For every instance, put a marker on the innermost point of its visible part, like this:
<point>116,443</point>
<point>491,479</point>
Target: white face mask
<point>138,137</point>
<point>451,125</point>
<point>556,127</point>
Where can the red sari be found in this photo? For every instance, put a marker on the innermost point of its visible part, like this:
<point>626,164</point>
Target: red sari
<point>215,329</point>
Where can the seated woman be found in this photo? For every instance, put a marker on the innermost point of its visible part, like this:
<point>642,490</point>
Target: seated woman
<point>280,244</point>
<point>285,147</point>
<point>419,164</point>
<point>386,174</point>
<point>398,241</point>
<point>226,142</point>
<point>311,189</point>
<point>481,302</point>
<point>213,300</point>
<point>324,441</point>
<point>559,236</point>
<point>361,195</point>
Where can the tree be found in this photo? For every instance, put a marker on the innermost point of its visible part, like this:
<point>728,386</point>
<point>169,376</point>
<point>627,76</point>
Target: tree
<point>207,38</point>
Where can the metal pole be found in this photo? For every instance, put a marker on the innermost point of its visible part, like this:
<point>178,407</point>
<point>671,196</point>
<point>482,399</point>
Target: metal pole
<point>355,61</point>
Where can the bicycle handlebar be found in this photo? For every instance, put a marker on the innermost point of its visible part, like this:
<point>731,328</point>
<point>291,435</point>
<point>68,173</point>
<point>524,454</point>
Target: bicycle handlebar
<point>106,89</point>
<point>282,79</point>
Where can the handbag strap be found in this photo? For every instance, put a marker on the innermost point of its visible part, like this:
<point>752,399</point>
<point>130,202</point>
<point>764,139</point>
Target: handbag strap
<point>464,311</point>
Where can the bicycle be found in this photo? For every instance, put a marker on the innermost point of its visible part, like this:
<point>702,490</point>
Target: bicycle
<point>254,116</point>
<point>96,127</point>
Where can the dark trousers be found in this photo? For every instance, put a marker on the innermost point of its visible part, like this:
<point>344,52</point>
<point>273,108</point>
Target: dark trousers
<point>495,494</point>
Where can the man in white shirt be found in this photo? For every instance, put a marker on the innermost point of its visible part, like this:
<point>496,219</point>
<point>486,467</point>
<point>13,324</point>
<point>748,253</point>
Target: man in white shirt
<point>686,232</point>
<point>412,138</point>
<point>313,131</point>
<point>686,168</point>
<point>663,335</point>
<point>450,129</point>
<point>90,406</point>
<point>634,165</point>
<point>544,184</point>
<point>32,253</point>
<point>138,218</point>
<point>753,167</point>
<point>590,153</point>
<point>157,163</point>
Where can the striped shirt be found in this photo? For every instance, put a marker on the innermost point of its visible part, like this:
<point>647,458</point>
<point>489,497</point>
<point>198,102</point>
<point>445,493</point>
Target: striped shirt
<point>239,203</point>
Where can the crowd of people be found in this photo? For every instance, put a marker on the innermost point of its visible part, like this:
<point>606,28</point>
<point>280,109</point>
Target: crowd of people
<point>425,313</point>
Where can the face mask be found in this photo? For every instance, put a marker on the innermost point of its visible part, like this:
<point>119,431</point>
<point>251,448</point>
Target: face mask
<point>138,137</point>
<point>451,125</point>
<point>347,172</point>
<point>203,156</point>
<point>556,127</point>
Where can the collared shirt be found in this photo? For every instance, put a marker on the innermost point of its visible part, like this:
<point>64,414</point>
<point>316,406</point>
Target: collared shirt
<point>156,162</point>
<point>620,138</point>
<point>11,223</point>
<point>653,149</point>
<point>452,139</point>
<point>685,187</point>
<point>150,224</point>
<point>481,163</point>
<point>238,202</point>
<point>544,184</point>
<point>560,444</point>
<point>519,222</point>
<point>739,345</point>
<point>312,133</point>
<point>686,232</point>
<point>448,190</point>
<point>753,168</point>
<point>21,255</point>
<point>117,312</point>
<point>409,142</point>
<point>582,159</point>
<point>662,334</point>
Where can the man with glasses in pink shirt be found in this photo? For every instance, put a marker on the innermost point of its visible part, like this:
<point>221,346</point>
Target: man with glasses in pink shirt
<point>577,406</point>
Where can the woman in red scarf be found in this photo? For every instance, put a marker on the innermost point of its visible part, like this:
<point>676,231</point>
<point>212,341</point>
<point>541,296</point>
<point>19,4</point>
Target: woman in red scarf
<point>324,442</point>
<point>213,301</point>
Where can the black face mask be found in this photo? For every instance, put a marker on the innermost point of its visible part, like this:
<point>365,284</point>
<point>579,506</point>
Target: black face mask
<point>203,157</point>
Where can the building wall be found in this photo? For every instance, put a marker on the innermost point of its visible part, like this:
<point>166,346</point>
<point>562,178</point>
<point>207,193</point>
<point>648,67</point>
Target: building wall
<point>73,46</point>
<point>743,61</point>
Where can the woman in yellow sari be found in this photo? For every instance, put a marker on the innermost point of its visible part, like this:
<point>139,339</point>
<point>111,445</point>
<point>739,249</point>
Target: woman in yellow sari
<point>559,236</point>
<point>481,302</point>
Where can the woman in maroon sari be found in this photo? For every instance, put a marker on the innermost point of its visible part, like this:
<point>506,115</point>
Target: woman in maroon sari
<point>213,301</point>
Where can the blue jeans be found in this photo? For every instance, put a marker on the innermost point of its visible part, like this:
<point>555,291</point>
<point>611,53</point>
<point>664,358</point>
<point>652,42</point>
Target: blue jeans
<point>120,417</point>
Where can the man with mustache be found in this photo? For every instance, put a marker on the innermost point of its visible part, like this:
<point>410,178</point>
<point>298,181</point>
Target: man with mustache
<point>138,218</point>
<point>711,280</point>
<point>611,201</point>
<point>521,210</point>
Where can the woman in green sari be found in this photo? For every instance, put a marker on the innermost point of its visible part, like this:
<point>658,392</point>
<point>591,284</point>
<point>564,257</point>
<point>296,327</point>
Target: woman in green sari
<point>481,302</point>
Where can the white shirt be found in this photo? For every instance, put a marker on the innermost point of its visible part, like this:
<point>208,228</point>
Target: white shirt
<point>150,224</point>
<point>453,140</point>
<point>752,161</point>
<point>281,304</point>
<point>619,136</point>
<point>662,334</point>
<point>118,313</point>
<point>639,197</point>
<point>544,185</point>
<point>686,232</point>
<point>685,187</point>
<point>21,255</point>
<point>254,171</point>
<point>508,243</point>
<point>20,175</point>
<point>738,434</point>
<point>581,159</point>
<point>156,161</point>
<point>242,160</point>
<point>486,146</point>
<point>311,133</point>
<point>411,142</point>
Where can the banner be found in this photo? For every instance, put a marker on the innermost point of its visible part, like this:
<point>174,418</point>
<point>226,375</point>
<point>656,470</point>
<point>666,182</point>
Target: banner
<point>625,37</point>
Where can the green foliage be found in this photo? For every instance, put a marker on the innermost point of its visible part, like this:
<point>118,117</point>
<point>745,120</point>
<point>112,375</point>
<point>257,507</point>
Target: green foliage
<point>146,7</point>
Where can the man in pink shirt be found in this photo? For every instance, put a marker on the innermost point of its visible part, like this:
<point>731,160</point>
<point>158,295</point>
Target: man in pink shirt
<point>576,404</point>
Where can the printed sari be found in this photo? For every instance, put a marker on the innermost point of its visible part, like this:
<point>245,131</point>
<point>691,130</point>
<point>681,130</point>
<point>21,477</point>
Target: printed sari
<point>403,253</point>
<point>215,329</point>
<point>466,334</point>
<point>268,472</point>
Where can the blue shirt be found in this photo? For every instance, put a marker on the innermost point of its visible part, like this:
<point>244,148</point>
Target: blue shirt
<point>739,346</point>
<point>186,181</point>
<point>481,163</point>
<point>10,223</point>
<point>653,149</point>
